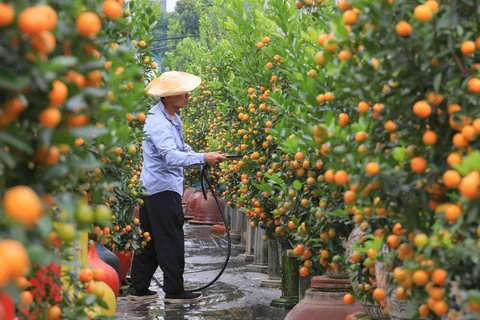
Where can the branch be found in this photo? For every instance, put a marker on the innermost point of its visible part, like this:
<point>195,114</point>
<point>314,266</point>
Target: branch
<point>460,66</point>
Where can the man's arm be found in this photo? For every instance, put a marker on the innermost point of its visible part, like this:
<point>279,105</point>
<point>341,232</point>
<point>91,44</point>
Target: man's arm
<point>166,146</point>
<point>188,149</point>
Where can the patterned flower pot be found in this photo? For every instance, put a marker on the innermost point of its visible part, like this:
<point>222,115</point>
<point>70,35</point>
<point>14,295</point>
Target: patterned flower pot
<point>337,274</point>
<point>375,312</point>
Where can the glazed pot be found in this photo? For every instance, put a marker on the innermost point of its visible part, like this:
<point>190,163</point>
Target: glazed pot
<point>111,276</point>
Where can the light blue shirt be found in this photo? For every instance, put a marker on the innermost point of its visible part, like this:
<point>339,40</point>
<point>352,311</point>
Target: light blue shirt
<point>165,154</point>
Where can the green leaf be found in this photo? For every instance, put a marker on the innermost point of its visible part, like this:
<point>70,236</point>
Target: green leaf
<point>7,159</point>
<point>398,153</point>
<point>61,62</point>
<point>11,80</point>
<point>297,185</point>
<point>45,225</point>
<point>15,142</point>
<point>95,92</point>
<point>437,82</point>
<point>90,299</point>
<point>102,304</point>
<point>89,132</point>
<point>56,172</point>
<point>76,102</point>
<point>39,255</point>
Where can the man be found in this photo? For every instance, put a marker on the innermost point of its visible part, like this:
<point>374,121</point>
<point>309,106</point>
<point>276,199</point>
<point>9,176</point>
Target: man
<point>165,154</point>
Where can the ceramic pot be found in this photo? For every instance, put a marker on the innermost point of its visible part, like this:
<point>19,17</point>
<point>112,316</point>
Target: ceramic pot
<point>375,312</point>
<point>337,274</point>
<point>399,309</point>
<point>108,257</point>
<point>356,234</point>
<point>111,276</point>
<point>7,308</point>
<point>125,259</point>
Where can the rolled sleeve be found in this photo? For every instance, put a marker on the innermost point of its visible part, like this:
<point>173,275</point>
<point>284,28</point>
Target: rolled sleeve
<point>164,142</point>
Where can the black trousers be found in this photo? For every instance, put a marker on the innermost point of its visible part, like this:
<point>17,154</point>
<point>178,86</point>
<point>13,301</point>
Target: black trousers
<point>162,216</point>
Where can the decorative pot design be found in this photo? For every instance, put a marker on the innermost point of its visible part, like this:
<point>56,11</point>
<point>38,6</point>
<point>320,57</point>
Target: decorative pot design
<point>111,276</point>
<point>399,309</point>
<point>356,234</point>
<point>374,311</point>
<point>108,257</point>
<point>337,274</point>
<point>125,259</point>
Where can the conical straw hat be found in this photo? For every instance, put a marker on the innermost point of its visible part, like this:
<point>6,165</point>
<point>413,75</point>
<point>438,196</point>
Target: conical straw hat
<point>172,83</point>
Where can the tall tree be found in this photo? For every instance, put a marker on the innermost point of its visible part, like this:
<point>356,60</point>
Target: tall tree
<point>188,12</point>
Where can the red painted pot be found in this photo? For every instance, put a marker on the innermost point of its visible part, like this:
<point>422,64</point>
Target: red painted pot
<point>125,263</point>
<point>111,276</point>
<point>195,199</point>
<point>7,308</point>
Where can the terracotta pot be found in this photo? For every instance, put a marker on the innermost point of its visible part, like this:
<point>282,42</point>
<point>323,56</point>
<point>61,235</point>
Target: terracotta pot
<point>125,263</point>
<point>208,212</point>
<point>7,308</point>
<point>195,199</point>
<point>188,194</point>
<point>111,276</point>
<point>108,257</point>
<point>324,301</point>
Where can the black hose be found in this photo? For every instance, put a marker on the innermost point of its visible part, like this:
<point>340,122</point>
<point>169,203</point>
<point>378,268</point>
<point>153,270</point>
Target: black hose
<point>204,179</point>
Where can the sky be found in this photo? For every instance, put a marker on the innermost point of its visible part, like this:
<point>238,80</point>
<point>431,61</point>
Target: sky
<point>171,5</point>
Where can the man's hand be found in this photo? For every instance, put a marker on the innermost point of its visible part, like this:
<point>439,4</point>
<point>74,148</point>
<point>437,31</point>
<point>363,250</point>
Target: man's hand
<point>214,158</point>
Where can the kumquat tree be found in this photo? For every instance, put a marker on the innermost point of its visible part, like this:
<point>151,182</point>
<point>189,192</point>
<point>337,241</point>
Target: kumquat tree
<point>356,120</point>
<point>353,117</point>
<point>72,76</point>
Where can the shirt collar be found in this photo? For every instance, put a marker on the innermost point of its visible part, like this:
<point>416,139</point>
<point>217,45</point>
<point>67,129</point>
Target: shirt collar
<point>167,115</point>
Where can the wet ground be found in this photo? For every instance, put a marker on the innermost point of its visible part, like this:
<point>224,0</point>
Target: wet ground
<point>236,295</point>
